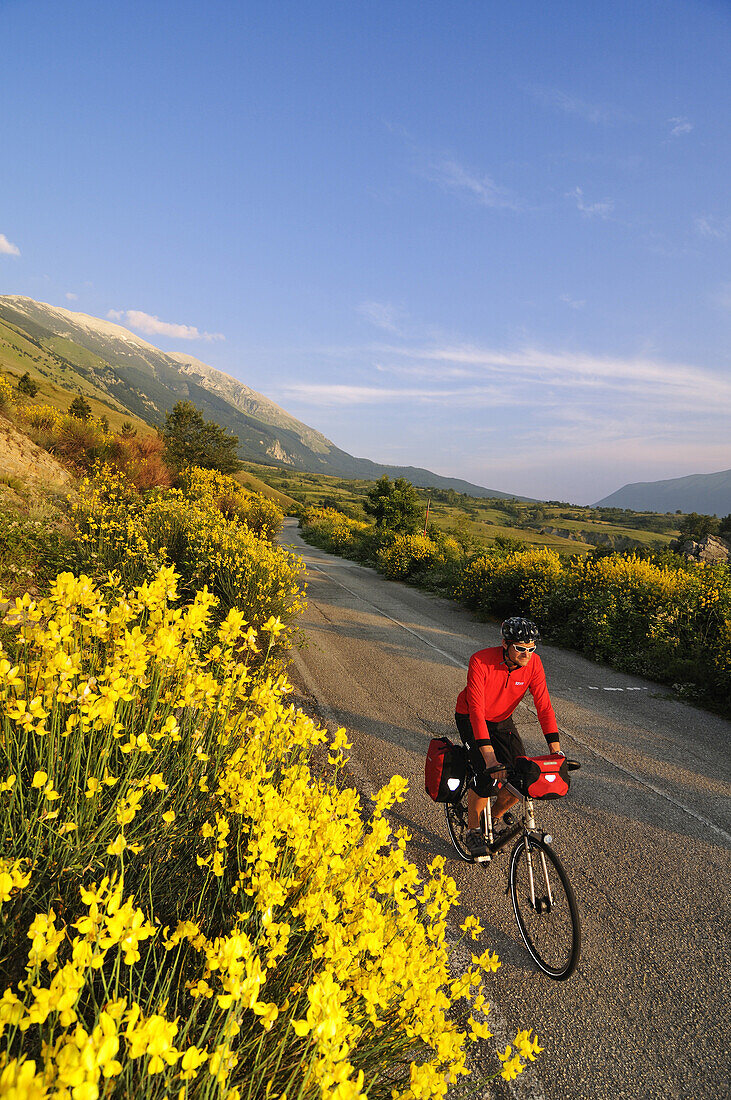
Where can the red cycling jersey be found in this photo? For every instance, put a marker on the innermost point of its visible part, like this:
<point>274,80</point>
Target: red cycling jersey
<point>493,692</point>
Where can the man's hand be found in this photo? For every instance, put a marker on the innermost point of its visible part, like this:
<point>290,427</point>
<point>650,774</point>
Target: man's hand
<point>491,761</point>
<point>554,746</point>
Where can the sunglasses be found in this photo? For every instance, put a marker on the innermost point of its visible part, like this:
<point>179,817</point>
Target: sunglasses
<point>524,648</point>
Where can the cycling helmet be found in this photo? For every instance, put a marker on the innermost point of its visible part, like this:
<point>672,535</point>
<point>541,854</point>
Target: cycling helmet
<point>516,629</point>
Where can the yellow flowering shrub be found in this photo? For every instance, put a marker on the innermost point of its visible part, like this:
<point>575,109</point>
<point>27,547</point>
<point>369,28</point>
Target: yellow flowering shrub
<point>331,529</point>
<point>7,399</point>
<point>194,908</point>
<point>134,534</point>
<point>257,512</point>
<point>43,417</point>
<point>670,623</point>
<point>408,554</point>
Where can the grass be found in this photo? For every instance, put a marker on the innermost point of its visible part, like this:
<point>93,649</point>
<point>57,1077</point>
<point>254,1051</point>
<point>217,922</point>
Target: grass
<point>567,528</point>
<point>57,380</point>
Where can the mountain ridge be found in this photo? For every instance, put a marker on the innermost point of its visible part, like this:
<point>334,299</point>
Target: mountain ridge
<point>709,494</point>
<point>149,381</point>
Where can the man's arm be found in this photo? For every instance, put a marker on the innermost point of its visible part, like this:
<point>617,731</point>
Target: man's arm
<point>544,709</point>
<point>475,694</point>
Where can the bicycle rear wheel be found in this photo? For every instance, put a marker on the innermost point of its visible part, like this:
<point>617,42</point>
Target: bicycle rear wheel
<point>545,907</point>
<point>456,815</point>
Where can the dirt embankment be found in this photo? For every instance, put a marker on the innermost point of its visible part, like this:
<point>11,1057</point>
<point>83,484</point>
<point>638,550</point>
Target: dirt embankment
<point>23,459</point>
<point>595,538</point>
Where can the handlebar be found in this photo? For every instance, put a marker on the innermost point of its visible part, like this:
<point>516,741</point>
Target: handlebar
<point>572,765</point>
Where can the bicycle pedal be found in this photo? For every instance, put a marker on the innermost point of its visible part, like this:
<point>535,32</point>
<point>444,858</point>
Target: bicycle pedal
<point>487,858</point>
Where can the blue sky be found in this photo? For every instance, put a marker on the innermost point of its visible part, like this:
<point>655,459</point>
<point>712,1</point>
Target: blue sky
<point>490,237</point>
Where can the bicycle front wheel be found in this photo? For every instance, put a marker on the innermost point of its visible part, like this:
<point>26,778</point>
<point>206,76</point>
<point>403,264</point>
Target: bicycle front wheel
<point>545,907</point>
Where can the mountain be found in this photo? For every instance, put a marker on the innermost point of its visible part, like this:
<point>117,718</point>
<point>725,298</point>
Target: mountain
<point>708,494</point>
<point>105,359</point>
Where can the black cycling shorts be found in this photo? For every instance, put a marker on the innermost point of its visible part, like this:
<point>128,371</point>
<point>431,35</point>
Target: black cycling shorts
<point>506,744</point>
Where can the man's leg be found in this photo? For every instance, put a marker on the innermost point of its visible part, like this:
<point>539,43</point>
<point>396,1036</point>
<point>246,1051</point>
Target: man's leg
<point>475,806</point>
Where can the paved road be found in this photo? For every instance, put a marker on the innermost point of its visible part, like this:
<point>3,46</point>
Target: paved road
<point>645,836</point>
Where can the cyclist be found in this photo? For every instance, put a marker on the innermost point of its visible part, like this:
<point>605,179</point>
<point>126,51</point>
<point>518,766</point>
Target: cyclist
<point>497,680</point>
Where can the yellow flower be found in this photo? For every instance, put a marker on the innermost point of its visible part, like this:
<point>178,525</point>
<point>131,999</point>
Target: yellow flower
<point>39,779</point>
<point>117,846</point>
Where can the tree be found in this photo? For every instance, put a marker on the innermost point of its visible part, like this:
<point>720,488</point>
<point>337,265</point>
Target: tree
<point>80,409</point>
<point>695,526</point>
<point>192,441</point>
<point>27,386</point>
<point>127,431</point>
<point>724,527</point>
<point>394,505</point>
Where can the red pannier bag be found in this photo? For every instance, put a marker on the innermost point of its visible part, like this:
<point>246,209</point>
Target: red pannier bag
<point>445,772</point>
<point>541,776</point>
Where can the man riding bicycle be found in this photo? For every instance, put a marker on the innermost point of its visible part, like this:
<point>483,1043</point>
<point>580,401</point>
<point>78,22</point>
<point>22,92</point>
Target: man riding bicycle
<point>497,680</point>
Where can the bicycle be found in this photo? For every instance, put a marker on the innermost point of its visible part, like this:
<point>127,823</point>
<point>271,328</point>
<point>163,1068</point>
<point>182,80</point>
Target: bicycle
<point>543,900</point>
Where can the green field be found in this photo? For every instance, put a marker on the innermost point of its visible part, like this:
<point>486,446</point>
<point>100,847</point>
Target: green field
<point>558,525</point>
<point>56,377</point>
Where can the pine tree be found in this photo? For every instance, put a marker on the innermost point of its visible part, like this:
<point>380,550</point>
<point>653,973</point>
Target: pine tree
<point>192,441</point>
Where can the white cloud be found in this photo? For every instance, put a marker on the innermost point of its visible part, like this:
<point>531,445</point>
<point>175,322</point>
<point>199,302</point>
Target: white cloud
<point>574,303</point>
<point>7,248</point>
<point>713,228</point>
<point>591,209</point>
<point>382,315</point>
<point>572,105</point>
<point>71,296</point>
<point>680,125</point>
<point>452,176</point>
<point>153,326</point>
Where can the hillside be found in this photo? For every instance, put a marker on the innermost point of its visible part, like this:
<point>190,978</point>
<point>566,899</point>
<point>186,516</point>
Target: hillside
<point>709,494</point>
<point>106,361</point>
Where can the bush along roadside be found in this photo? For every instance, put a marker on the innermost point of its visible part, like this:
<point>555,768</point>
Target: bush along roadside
<point>191,906</point>
<point>669,621</point>
<point>132,534</point>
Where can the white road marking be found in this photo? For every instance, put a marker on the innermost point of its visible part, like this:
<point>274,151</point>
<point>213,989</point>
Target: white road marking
<point>565,733</point>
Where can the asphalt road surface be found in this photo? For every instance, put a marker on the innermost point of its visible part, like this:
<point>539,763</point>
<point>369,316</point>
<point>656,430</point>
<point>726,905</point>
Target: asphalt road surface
<point>644,834</point>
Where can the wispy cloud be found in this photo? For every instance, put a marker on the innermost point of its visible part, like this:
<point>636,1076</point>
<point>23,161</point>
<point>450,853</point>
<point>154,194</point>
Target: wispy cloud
<point>571,384</point>
<point>153,326</point>
<point>315,393</point>
<point>662,384</point>
<point>573,105</point>
<point>679,126</point>
<point>452,176</point>
<point>382,315</point>
<point>590,209</point>
<point>714,228</point>
<point>574,303</point>
<point>7,248</point>
<point>71,296</point>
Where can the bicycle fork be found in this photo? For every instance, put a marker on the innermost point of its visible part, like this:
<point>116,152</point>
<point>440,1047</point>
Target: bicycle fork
<point>527,825</point>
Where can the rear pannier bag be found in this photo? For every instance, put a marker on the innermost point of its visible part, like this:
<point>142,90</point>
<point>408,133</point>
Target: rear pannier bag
<point>541,776</point>
<point>445,773</point>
